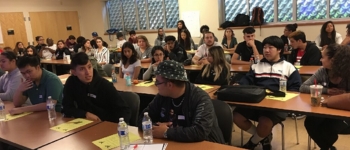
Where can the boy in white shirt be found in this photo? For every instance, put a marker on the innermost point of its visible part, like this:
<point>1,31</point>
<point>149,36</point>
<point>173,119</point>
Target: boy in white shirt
<point>121,40</point>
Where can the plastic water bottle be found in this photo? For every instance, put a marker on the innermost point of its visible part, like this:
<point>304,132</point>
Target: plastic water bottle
<point>123,134</point>
<point>251,61</point>
<point>128,80</point>
<point>257,60</point>
<point>297,63</point>
<point>114,77</point>
<point>147,128</point>
<point>2,111</point>
<point>50,106</point>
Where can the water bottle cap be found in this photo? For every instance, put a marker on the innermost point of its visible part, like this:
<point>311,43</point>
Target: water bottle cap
<point>146,113</point>
<point>121,119</point>
<point>49,97</point>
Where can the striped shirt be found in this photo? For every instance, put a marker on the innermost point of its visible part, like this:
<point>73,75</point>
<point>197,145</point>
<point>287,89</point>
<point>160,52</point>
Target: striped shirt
<point>102,56</point>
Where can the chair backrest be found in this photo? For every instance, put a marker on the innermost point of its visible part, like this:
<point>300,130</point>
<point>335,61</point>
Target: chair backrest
<point>133,100</point>
<point>108,69</point>
<point>223,112</point>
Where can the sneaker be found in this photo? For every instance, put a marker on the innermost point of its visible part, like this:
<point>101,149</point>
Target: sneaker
<point>249,145</point>
<point>266,142</point>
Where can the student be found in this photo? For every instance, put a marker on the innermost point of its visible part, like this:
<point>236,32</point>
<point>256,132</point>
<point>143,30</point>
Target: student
<point>93,41</point>
<point>133,38</point>
<point>182,111</point>
<point>304,51</point>
<point>87,95</point>
<point>175,51</point>
<point>10,81</point>
<point>39,84</point>
<point>130,64</point>
<point>328,36</point>
<point>186,41</point>
<point>203,30</point>
<point>229,42</point>
<point>158,54</point>
<point>267,74</point>
<point>101,52</point>
<point>30,50</point>
<point>79,44</point>
<point>121,39</point>
<point>160,40</point>
<point>181,26</point>
<point>346,41</point>
<point>334,76</point>
<point>19,49</point>
<point>288,29</point>
<point>49,50</point>
<point>217,72</point>
<point>61,50</point>
<point>41,41</point>
<point>86,48</point>
<point>248,48</point>
<point>201,57</point>
<point>70,42</point>
<point>144,49</point>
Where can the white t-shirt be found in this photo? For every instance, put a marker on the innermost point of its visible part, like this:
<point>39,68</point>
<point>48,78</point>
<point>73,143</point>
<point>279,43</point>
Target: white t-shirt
<point>130,68</point>
<point>120,43</point>
<point>47,54</point>
<point>203,50</point>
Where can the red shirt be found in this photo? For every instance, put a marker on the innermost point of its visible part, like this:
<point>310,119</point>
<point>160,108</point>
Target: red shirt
<point>300,54</point>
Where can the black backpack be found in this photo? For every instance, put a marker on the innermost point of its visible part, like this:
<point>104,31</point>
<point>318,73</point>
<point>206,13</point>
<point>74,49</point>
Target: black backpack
<point>257,16</point>
<point>241,20</point>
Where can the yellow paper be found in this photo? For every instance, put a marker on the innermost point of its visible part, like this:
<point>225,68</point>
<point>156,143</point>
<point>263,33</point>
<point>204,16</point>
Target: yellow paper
<point>288,97</point>
<point>112,141</point>
<point>11,117</point>
<point>205,87</point>
<point>298,67</point>
<point>71,125</point>
<point>145,84</point>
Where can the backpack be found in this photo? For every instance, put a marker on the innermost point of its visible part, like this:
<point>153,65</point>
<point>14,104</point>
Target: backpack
<point>257,16</point>
<point>241,20</point>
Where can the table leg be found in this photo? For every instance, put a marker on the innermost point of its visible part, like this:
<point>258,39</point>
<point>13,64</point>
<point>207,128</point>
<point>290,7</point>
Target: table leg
<point>54,69</point>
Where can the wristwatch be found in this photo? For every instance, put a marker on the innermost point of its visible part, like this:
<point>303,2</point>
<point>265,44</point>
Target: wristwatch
<point>165,135</point>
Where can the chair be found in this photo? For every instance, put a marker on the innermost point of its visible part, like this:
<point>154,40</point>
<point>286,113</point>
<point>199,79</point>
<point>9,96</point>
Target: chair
<point>224,115</point>
<point>108,69</point>
<point>133,100</point>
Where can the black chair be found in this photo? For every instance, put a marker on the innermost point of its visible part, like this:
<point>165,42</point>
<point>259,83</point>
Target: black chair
<point>108,68</point>
<point>133,100</point>
<point>223,112</point>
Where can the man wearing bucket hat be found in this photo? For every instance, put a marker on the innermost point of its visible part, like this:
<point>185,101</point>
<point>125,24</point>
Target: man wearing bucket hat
<point>181,111</point>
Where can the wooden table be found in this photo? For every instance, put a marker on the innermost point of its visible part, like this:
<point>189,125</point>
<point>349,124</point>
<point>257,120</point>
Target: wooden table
<point>54,62</point>
<point>192,52</point>
<point>143,65</point>
<point>83,140</point>
<point>308,70</point>
<point>33,131</point>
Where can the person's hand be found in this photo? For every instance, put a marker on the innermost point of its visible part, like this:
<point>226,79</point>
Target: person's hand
<point>204,61</point>
<point>324,47</point>
<point>335,91</point>
<point>235,83</point>
<point>25,85</point>
<point>251,43</point>
<point>158,131</point>
<point>91,116</point>
<point>156,64</point>
<point>53,57</point>
<point>16,111</point>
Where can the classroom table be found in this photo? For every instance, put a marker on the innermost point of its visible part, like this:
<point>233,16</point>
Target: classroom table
<point>54,62</point>
<point>33,131</point>
<point>83,140</point>
<point>143,65</point>
<point>192,52</point>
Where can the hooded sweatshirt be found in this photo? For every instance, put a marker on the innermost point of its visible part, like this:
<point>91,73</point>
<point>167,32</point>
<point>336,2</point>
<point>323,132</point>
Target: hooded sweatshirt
<point>178,54</point>
<point>311,56</point>
<point>98,97</point>
<point>160,40</point>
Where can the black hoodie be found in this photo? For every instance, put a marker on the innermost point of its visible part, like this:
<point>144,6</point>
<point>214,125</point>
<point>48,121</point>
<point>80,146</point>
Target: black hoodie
<point>311,56</point>
<point>178,54</point>
<point>98,97</point>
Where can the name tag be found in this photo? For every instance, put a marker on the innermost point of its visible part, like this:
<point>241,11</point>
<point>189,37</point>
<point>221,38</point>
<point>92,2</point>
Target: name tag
<point>40,96</point>
<point>92,95</point>
<point>181,117</point>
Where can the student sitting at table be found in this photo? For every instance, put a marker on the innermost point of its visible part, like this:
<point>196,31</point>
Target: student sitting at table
<point>328,36</point>
<point>304,52</point>
<point>203,30</point>
<point>143,49</point>
<point>266,73</point>
<point>130,64</point>
<point>101,52</point>
<point>88,95</point>
<point>10,81</point>
<point>334,77</point>
<point>229,42</point>
<point>87,49</point>
<point>174,50</point>
<point>201,56</point>
<point>158,54</point>
<point>181,111</point>
<point>39,84</point>
<point>217,72</point>
<point>30,50</point>
<point>160,40</point>
<point>19,49</point>
<point>186,41</point>
<point>61,50</point>
<point>49,50</point>
<point>288,29</point>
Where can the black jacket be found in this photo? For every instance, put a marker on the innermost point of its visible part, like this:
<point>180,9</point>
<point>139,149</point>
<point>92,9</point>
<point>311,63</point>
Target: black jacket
<point>198,110</point>
<point>178,54</point>
<point>222,80</point>
<point>98,97</point>
<point>59,52</point>
<point>285,39</point>
<point>311,57</point>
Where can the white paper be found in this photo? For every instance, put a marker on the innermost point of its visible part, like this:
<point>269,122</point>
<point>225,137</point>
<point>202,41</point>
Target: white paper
<point>150,146</point>
<point>191,19</point>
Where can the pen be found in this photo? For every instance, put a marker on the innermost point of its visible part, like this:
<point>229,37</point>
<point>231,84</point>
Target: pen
<point>135,146</point>
<point>163,146</point>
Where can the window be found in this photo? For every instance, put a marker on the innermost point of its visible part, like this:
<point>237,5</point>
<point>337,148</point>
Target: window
<point>288,10</point>
<point>143,14</point>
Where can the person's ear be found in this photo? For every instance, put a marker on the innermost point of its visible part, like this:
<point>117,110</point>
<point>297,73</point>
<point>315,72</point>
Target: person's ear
<point>73,72</point>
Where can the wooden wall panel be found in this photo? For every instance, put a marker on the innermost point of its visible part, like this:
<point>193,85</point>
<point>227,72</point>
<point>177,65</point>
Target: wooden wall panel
<point>54,24</point>
<point>15,21</point>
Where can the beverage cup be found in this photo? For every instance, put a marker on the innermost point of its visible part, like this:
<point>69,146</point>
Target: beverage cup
<point>316,94</point>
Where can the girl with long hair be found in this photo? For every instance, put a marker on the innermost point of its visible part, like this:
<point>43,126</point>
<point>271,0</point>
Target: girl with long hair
<point>328,36</point>
<point>130,63</point>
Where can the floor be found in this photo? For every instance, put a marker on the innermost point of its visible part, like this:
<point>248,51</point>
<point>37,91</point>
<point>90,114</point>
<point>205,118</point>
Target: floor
<point>290,137</point>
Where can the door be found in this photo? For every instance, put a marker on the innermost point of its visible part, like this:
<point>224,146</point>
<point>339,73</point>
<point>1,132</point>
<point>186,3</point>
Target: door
<point>13,21</point>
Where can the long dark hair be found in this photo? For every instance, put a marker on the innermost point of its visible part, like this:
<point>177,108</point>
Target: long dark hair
<point>179,30</point>
<point>17,50</point>
<point>83,44</point>
<point>35,53</point>
<point>157,48</point>
<point>325,40</point>
<point>186,44</point>
<point>133,57</point>
<point>292,27</point>
<point>232,35</point>
<point>64,44</point>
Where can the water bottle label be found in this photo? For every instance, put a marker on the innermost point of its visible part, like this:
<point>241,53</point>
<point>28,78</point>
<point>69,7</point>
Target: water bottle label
<point>147,126</point>
<point>49,106</point>
<point>2,107</point>
<point>121,133</point>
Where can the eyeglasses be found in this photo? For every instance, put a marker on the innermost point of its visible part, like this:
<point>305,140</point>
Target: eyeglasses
<point>159,83</point>
<point>156,55</point>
